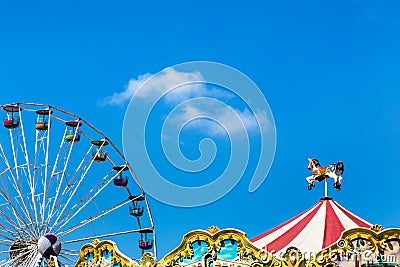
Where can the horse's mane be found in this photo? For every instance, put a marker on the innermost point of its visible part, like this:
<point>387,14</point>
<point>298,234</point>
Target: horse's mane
<point>316,162</point>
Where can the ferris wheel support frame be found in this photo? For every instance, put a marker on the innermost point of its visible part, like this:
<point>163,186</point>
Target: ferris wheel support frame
<point>33,211</point>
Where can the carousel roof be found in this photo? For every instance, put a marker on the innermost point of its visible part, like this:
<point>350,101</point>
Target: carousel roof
<point>312,230</point>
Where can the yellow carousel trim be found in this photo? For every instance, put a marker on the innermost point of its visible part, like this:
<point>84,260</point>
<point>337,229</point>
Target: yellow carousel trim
<point>214,237</point>
<point>377,238</point>
<point>97,248</point>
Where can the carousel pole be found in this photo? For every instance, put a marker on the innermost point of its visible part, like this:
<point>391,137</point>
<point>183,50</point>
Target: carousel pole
<point>326,187</point>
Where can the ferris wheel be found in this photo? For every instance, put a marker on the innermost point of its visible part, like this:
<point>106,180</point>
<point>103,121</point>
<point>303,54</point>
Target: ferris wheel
<point>63,183</point>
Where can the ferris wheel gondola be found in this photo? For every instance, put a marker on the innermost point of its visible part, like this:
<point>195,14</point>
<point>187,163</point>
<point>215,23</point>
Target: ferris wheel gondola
<point>62,183</point>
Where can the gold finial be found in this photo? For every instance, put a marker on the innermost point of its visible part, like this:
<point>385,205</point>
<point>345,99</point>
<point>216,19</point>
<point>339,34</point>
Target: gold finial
<point>377,228</point>
<point>96,241</point>
<point>213,229</point>
<point>148,260</point>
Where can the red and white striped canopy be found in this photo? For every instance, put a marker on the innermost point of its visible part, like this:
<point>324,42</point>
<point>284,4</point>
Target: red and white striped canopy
<point>312,230</point>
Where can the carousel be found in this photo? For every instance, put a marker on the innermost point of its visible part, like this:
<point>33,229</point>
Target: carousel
<point>325,235</point>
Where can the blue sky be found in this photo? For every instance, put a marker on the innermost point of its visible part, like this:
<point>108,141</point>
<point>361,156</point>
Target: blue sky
<point>329,70</point>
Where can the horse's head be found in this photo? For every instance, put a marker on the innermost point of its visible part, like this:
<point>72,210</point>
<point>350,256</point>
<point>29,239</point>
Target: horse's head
<point>313,163</point>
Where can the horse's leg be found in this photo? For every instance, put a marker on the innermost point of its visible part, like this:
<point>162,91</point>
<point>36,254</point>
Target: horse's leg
<point>310,180</point>
<point>335,179</point>
<point>340,178</point>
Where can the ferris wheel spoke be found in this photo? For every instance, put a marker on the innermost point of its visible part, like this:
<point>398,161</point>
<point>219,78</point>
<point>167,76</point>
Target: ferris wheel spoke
<point>33,259</point>
<point>24,226</point>
<point>25,260</point>
<point>42,139</point>
<point>7,233</point>
<point>12,224</point>
<point>75,185</point>
<point>26,158</point>
<point>71,187</point>
<point>5,248</point>
<point>3,241</point>
<point>82,203</point>
<point>16,259</point>
<point>62,175</point>
<point>46,171</point>
<point>15,178</point>
<point>22,207</point>
<point>18,218</point>
<point>105,235</point>
<point>75,253</point>
<point>54,173</point>
<point>67,258</point>
<point>4,184</point>
<point>20,215</point>
<point>5,263</point>
<point>93,218</point>
<point>5,194</point>
<point>6,162</point>
<point>70,250</point>
<point>12,250</point>
<point>41,147</point>
<point>7,251</point>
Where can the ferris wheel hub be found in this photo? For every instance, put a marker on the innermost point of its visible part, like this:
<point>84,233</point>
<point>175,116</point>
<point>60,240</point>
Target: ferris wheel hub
<point>49,245</point>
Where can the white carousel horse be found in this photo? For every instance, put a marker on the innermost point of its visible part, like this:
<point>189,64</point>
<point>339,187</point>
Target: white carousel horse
<point>318,173</point>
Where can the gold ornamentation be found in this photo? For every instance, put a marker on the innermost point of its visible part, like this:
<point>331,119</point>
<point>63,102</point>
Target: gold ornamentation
<point>293,257</point>
<point>148,260</point>
<point>97,248</point>
<point>372,239</point>
<point>213,229</point>
<point>214,239</point>
<point>377,228</point>
<point>375,239</point>
<point>53,262</point>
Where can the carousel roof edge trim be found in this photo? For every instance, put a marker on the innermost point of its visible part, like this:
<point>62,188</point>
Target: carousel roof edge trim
<point>377,239</point>
<point>213,237</point>
<point>97,248</point>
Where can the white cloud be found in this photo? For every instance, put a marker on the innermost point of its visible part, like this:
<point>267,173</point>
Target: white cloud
<point>119,99</point>
<point>167,79</point>
<point>222,115</point>
<point>192,85</point>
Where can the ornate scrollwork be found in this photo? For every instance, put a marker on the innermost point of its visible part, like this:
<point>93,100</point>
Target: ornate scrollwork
<point>377,228</point>
<point>96,249</point>
<point>53,262</point>
<point>293,257</point>
<point>214,239</point>
<point>148,260</point>
<point>213,229</point>
<point>376,241</point>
